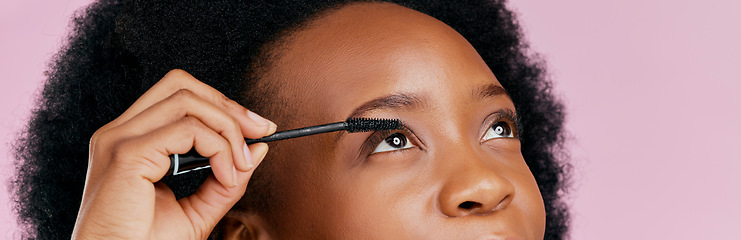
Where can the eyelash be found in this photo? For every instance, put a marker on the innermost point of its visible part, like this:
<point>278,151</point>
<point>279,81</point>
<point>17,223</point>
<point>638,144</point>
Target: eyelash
<point>379,136</point>
<point>503,115</point>
<point>511,118</point>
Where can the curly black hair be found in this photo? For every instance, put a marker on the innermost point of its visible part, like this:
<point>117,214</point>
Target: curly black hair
<point>119,48</point>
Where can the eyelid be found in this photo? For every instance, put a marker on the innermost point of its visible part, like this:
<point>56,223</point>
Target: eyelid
<point>376,137</point>
<point>506,115</point>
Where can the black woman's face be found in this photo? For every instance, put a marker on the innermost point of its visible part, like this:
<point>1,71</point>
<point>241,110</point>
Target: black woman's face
<point>456,172</point>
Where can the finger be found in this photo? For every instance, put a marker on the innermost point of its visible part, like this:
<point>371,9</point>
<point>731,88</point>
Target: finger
<point>167,207</point>
<point>177,80</point>
<point>148,155</point>
<point>255,123</point>
<point>212,201</point>
<point>259,150</point>
<point>185,103</point>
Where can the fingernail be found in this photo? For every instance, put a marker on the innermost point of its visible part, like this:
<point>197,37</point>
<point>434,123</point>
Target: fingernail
<point>272,128</point>
<point>264,152</point>
<point>248,157</point>
<point>257,118</point>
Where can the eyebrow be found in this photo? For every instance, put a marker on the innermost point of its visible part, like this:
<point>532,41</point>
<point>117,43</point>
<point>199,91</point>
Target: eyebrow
<point>491,90</point>
<point>408,100</point>
<point>393,101</point>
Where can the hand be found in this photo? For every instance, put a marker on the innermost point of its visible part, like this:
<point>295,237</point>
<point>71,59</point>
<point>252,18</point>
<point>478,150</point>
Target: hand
<point>128,156</point>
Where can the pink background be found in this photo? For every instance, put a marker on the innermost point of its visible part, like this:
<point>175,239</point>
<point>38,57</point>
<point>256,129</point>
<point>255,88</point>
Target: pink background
<point>652,93</point>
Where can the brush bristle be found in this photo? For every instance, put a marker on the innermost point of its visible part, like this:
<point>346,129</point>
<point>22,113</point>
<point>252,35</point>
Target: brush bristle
<point>372,124</point>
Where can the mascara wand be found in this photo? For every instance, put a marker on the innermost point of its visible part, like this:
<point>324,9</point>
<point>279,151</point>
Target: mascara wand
<point>191,161</point>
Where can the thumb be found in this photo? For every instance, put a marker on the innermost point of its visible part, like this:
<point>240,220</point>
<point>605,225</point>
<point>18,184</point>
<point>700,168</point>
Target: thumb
<point>212,200</point>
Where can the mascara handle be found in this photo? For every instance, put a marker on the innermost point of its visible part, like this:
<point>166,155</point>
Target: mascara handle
<point>300,132</point>
<point>183,163</point>
<point>192,161</point>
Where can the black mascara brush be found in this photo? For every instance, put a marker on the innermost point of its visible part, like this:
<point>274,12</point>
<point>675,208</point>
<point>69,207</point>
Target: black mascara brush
<point>191,161</point>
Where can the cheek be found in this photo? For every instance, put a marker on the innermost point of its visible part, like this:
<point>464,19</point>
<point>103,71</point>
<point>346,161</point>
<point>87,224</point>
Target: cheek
<point>530,200</point>
<point>382,201</point>
<point>298,197</point>
<point>317,194</point>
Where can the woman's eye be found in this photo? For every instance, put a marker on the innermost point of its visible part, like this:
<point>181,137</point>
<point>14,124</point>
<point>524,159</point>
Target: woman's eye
<point>393,142</point>
<point>499,130</point>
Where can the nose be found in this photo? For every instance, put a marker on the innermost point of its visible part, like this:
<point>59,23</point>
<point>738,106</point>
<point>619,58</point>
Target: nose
<point>473,188</point>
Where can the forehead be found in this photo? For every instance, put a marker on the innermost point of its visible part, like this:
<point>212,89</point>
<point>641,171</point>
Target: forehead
<point>362,51</point>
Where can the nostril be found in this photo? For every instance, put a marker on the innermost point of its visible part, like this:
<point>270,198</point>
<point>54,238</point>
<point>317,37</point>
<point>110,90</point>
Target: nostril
<point>468,205</point>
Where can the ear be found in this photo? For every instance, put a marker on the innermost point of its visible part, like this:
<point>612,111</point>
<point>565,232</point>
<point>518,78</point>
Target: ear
<point>240,226</point>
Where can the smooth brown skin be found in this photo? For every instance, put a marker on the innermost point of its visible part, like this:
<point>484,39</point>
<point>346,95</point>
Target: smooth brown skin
<point>325,186</point>
<point>330,189</point>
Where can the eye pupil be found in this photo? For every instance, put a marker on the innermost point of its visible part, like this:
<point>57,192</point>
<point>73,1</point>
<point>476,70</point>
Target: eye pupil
<point>396,140</point>
<point>501,129</point>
